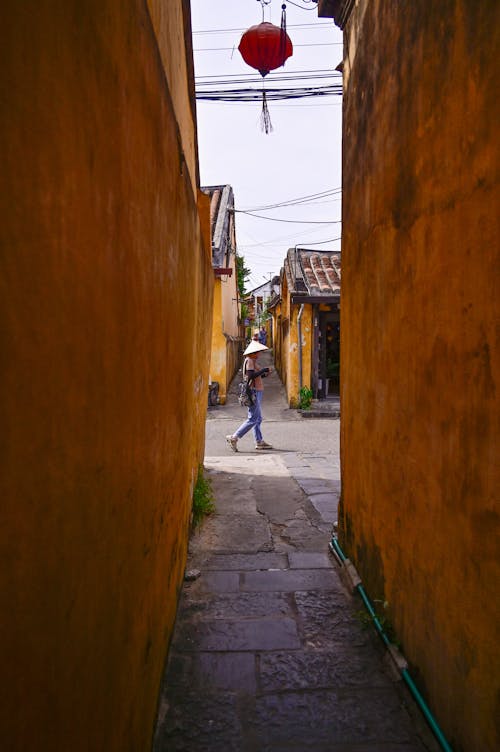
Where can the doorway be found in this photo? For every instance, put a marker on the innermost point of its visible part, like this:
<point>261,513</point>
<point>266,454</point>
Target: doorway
<point>328,355</point>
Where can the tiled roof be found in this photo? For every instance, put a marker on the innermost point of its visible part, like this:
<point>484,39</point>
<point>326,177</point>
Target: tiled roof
<point>221,204</point>
<point>321,271</point>
<point>313,273</point>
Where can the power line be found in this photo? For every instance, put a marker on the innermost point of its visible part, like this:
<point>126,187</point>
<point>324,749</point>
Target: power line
<point>275,74</point>
<point>276,242</point>
<point>322,242</point>
<point>252,78</point>
<point>295,201</point>
<point>289,221</point>
<point>289,26</point>
<point>251,95</point>
<point>305,44</point>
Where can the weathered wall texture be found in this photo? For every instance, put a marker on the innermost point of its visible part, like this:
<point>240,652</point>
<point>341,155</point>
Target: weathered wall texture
<point>286,342</point>
<point>290,350</point>
<point>225,348</point>
<point>102,392</point>
<point>420,345</point>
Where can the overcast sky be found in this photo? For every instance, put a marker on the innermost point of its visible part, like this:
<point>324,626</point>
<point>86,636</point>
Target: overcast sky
<point>301,157</point>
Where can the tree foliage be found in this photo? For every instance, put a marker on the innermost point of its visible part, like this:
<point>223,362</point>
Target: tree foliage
<point>242,274</point>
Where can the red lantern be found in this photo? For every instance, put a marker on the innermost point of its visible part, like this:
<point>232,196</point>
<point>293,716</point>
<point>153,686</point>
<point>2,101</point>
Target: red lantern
<point>265,47</point>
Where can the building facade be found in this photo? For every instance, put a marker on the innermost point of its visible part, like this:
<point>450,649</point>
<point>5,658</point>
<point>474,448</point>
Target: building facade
<point>420,346</point>
<point>106,298</point>
<point>226,342</point>
<point>306,322</point>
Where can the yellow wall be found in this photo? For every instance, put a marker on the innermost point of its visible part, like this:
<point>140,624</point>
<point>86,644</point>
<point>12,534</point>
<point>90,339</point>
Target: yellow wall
<point>293,380</point>
<point>230,303</point>
<point>226,343</point>
<point>420,350</point>
<point>172,26</point>
<point>288,353</point>
<point>225,347</point>
<point>218,346</point>
<point>103,393</point>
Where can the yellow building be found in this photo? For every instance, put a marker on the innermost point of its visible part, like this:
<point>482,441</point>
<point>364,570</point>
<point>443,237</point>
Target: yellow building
<point>420,363</point>
<point>226,340</point>
<point>106,298</point>
<point>306,323</point>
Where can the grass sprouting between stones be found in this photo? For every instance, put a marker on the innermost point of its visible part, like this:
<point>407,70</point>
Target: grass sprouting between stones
<point>203,498</point>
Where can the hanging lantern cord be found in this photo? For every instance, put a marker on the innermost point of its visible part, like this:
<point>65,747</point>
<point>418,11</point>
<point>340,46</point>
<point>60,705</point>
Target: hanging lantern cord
<point>265,117</point>
<point>264,3</point>
<point>283,34</point>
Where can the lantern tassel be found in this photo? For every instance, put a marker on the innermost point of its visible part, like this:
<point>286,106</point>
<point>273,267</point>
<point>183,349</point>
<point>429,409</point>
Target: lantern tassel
<point>265,117</point>
<point>283,34</point>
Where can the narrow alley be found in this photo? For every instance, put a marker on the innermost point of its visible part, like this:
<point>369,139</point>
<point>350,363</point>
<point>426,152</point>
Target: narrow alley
<point>270,651</point>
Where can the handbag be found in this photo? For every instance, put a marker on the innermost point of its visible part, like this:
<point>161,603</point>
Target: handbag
<point>245,396</point>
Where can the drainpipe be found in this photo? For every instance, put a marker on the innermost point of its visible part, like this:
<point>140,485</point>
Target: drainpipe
<point>299,331</point>
<point>401,663</point>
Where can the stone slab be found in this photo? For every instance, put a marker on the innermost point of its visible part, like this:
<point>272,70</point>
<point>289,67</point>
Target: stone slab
<point>246,561</point>
<point>200,722</point>
<point>239,635</point>
<point>319,669</point>
<point>234,605</point>
<point>304,535</point>
<point>290,580</point>
<point>309,560</point>
<point>346,717</point>
<point>312,746</point>
<point>226,671</point>
<point>328,619</point>
<point>218,582</point>
<point>326,509</point>
<point>315,486</point>
<point>235,534</point>
<point>243,501</point>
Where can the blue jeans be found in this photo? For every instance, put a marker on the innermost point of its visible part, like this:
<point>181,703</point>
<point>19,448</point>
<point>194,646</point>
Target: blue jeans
<point>253,420</point>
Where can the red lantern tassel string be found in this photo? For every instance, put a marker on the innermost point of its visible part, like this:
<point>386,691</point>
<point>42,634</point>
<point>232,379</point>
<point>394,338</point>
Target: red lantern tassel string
<point>283,34</point>
<point>265,117</point>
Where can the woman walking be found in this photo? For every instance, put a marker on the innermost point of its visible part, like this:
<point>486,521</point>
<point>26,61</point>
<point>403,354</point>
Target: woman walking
<point>253,375</point>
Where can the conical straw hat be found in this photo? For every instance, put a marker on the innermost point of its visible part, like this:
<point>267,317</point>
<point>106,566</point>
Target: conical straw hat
<point>254,347</point>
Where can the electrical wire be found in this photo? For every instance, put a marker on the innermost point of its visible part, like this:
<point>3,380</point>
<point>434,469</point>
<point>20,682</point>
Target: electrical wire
<point>298,200</point>
<point>275,74</point>
<point>296,44</point>
<point>314,7</point>
<point>255,80</point>
<point>252,95</point>
<point>276,242</point>
<point>289,221</point>
<point>322,242</point>
<point>318,25</point>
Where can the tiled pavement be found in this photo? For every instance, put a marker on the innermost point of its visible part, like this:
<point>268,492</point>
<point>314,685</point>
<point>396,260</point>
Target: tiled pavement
<point>270,651</point>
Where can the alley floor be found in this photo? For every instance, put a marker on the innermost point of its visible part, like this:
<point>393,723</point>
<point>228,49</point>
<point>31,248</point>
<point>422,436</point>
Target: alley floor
<point>271,653</point>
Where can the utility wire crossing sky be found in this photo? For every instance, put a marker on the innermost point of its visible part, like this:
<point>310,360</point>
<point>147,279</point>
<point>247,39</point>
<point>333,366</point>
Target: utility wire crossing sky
<point>285,177</point>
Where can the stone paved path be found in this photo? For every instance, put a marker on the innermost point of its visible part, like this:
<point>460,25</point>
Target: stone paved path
<point>270,652</point>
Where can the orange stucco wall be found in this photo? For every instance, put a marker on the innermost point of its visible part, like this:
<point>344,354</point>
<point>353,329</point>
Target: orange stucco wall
<point>287,353</point>
<point>103,393</point>
<point>420,346</point>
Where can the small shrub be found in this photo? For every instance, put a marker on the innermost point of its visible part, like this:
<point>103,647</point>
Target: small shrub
<point>305,398</point>
<point>203,498</point>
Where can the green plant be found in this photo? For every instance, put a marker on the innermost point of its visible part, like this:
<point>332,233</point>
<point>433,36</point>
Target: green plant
<point>203,498</point>
<point>366,620</point>
<point>242,274</point>
<point>243,311</point>
<point>332,369</point>
<point>305,398</point>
